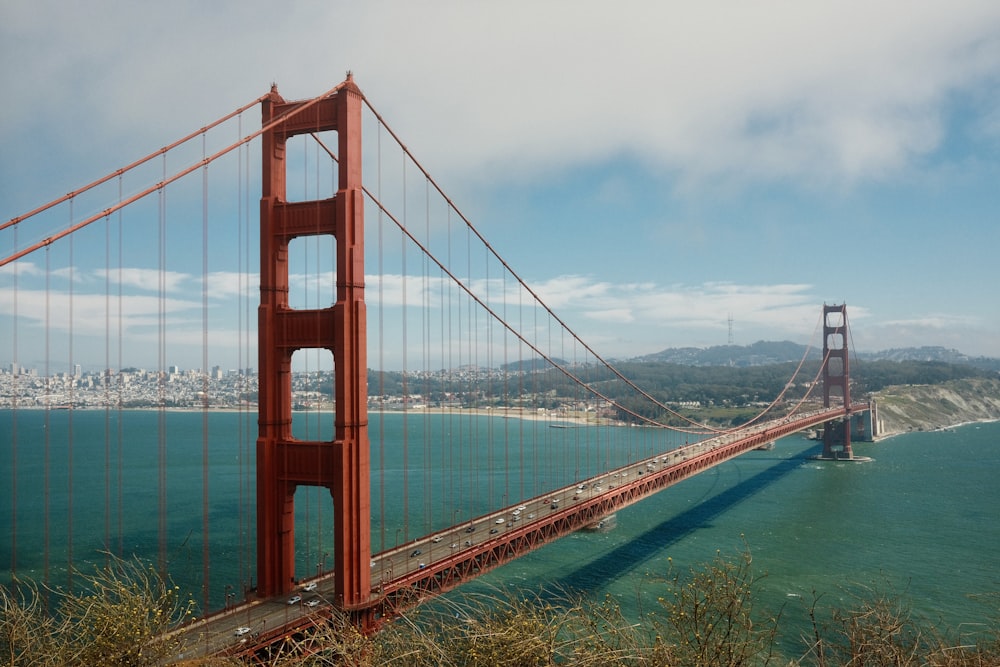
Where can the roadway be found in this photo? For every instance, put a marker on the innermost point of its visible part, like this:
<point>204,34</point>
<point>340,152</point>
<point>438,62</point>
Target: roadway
<point>416,563</point>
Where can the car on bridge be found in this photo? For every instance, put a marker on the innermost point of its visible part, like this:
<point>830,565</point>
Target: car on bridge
<point>295,599</point>
<point>310,587</point>
<point>242,631</point>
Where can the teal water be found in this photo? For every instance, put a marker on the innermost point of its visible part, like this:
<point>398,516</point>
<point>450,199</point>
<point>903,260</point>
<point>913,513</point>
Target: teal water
<point>924,516</point>
<point>921,519</point>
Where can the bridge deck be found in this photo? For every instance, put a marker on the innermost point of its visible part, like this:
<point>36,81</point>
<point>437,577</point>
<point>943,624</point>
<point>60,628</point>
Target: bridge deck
<point>410,573</point>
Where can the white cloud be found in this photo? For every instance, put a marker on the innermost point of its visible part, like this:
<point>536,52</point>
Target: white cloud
<point>90,311</point>
<point>749,90</point>
<point>613,315</point>
<point>934,321</point>
<point>150,280</point>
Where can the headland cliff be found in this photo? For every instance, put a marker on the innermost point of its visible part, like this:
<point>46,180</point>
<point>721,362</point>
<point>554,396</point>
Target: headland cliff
<point>930,407</point>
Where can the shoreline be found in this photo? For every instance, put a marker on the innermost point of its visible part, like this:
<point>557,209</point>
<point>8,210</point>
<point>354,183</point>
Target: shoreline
<point>503,413</point>
<point>937,429</point>
<point>529,415</point>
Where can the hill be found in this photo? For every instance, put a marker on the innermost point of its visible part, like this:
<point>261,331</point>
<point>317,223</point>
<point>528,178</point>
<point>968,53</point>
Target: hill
<point>929,407</point>
<point>763,353</point>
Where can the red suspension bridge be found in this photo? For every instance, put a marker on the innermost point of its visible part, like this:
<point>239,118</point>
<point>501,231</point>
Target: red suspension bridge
<point>159,260</point>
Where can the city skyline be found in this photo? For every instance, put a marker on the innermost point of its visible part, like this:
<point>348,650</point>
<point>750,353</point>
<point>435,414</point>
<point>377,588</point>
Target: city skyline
<point>720,172</point>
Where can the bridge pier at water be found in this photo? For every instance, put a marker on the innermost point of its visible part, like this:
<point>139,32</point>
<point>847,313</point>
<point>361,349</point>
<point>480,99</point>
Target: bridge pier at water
<point>838,434</point>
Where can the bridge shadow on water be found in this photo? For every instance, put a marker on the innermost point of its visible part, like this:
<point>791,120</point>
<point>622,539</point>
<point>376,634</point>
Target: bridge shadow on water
<point>596,574</point>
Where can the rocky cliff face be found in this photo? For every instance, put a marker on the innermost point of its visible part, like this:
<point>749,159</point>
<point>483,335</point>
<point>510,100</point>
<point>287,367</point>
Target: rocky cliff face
<point>929,407</point>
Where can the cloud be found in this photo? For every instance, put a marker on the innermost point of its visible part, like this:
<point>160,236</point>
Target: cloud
<point>747,90</point>
<point>88,313</point>
<point>782,306</point>
<point>150,280</point>
<point>833,91</point>
<point>612,315</point>
<point>934,321</point>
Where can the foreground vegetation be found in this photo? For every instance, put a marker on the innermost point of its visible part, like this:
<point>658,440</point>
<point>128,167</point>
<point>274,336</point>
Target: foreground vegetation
<point>705,617</point>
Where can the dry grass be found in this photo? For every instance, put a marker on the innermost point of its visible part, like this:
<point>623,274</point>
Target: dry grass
<point>705,618</point>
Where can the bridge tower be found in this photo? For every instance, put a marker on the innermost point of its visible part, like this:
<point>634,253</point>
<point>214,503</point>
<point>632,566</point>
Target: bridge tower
<point>836,376</point>
<point>283,462</point>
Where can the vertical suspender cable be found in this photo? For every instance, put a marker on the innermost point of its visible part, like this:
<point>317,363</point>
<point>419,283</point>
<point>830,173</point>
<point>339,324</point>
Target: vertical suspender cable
<point>242,345</point>
<point>555,452</point>
<point>458,343</point>
<point>488,326</point>
<point>240,287</point>
<point>381,345</point>
<point>536,371</point>
<point>205,554</point>
<point>161,379</point>
<point>425,348</point>
<point>506,399</point>
<point>575,463</point>
<point>69,417</point>
<point>48,410</point>
<point>106,380</point>
<point>406,396</point>
<point>446,459</point>
<point>120,387</point>
<point>520,392</point>
<point>13,435</point>
<point>247,380</point>
<point>473,461</point>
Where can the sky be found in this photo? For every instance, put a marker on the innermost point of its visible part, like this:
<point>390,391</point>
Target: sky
<point>665,174</point>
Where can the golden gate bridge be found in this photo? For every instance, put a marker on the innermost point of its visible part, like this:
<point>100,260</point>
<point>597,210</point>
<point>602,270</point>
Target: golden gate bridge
<point>363,265</point>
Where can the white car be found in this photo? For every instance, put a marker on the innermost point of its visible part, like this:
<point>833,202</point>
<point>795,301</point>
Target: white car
<point>310,587</point>
<point>295,599</point>
<point>242,631</point>
<point>312,603</point>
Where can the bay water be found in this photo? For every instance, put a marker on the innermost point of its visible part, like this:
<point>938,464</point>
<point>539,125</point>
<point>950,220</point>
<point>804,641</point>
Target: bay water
<point>921,518</point>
